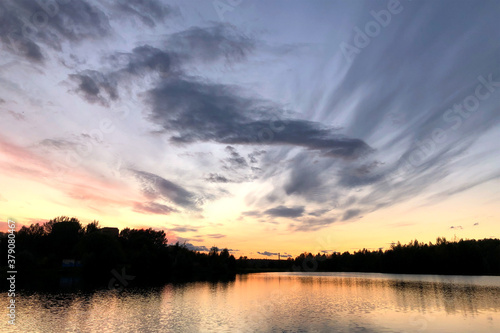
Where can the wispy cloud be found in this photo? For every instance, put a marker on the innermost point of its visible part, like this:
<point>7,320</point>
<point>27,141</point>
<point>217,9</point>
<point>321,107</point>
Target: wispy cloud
<point>154,208</point>
<point>184,228</point>
<point>283,211</point>
<point>216,235</point>
<point>155,186</point>
<point>294,137</point>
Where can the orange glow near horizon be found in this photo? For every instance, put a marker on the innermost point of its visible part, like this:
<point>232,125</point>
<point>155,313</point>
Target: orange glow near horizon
<point>33,196</point>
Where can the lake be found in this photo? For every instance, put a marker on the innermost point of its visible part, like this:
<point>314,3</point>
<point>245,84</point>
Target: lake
<point>274,302</point>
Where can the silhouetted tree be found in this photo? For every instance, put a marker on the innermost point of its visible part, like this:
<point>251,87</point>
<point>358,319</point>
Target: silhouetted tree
<point>145,254</point>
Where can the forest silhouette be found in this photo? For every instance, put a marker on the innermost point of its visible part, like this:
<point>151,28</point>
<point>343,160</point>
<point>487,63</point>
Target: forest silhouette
<point>63,247</point>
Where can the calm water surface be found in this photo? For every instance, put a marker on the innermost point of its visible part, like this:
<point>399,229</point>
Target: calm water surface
<point>274,302</point>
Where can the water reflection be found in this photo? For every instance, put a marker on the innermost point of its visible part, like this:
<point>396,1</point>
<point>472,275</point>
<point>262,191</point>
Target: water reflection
<point>275,302</point>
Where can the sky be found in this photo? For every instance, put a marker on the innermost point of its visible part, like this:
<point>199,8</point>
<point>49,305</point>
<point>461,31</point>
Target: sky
<point>262,126</point>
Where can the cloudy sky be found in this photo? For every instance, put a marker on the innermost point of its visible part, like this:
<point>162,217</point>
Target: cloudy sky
<point>262,126</point>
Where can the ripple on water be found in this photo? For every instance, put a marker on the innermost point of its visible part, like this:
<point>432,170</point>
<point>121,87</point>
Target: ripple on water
<point>275,302</point>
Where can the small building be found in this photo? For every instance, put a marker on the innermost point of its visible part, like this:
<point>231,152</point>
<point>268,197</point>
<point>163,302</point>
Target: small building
<point>113,232</point>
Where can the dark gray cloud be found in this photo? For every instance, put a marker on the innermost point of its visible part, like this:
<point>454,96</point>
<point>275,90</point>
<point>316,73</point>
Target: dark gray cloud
<point>208,112</point>
<point>211,43</point>
<point>78,20</point>
<point>300,222</point>
<point>476,224</point>
<point>95,87</point>
<point>157,187</point>
<point>456,227</point>
<point>268,254</point>
<point>192,247</point>
<point>306,178</point>
<point>350,213</point>
<point>27,24</point>
<point>216,235</point>
<point>236,167</point>
<point>361,175</point>
<point>217,178</point>
<point>146,58</point>
<point>193,110</point>
<point>235,161</point>
<point>252,157</point>
<point>283,211</point>
<point>272,254</point>
<point>102,88</point>
<point>153,208</point>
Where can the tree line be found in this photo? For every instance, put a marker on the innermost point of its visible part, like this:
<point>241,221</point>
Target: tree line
<point>94,254</point>
<point>97,255</point>
<point>463,257</point>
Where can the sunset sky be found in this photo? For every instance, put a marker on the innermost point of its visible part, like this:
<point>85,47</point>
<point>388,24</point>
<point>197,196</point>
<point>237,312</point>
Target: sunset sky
<point>260,126</point>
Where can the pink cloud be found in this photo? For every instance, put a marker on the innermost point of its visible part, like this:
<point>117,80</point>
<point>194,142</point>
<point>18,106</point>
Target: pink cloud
<point>4,226</point>
<point>78,185</point>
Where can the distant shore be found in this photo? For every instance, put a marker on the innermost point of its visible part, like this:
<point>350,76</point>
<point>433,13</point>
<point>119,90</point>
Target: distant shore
<point>62,252</point>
